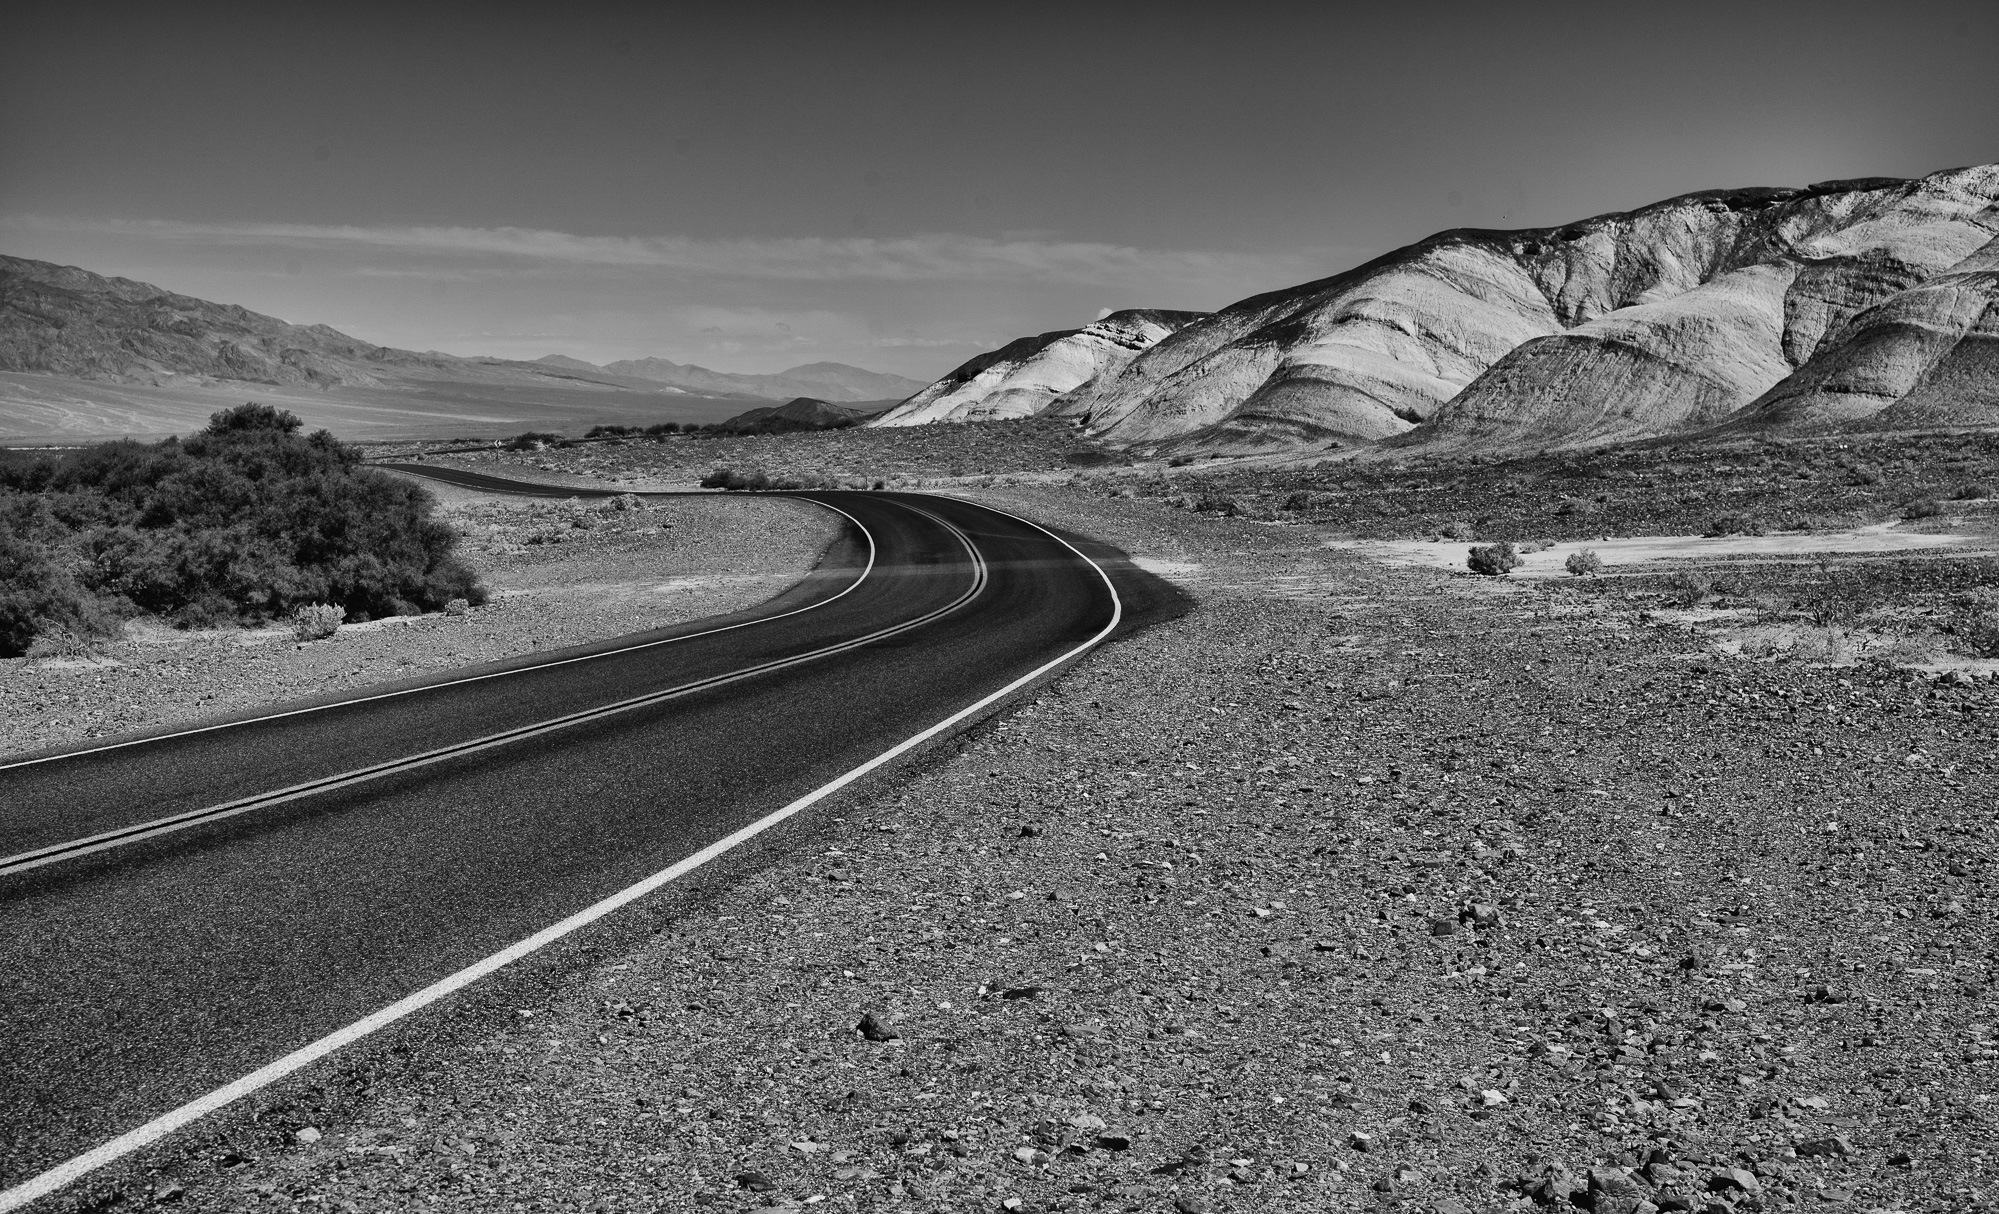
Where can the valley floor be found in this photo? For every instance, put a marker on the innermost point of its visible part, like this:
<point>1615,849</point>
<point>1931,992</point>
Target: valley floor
<point>1356,887</point>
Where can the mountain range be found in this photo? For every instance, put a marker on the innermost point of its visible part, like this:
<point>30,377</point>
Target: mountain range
<point>820,381</point>
<point>65,321</point>
<point>1843,303</point>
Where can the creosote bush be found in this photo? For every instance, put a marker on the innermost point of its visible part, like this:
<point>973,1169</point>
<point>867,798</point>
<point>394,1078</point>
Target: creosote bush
<point>245,521</point>
<point>1493,560</point>
<point>1690,588</point>
<point>1922,507</point>
<point>1583,562</point>
<point>317,621</point>
<point>1734,524</point>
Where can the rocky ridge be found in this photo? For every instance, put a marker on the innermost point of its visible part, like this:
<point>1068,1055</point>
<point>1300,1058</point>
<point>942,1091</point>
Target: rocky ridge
<point>802,413</point>
<point>1925,355</point>
<point>1026,377</point>
<point>1763,307</point>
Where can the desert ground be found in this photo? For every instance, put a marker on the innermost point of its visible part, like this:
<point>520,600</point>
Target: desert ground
<point>51,410</point>
<point>1366,883</point>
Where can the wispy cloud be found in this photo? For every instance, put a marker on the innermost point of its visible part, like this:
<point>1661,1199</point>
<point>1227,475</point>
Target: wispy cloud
<point>938,257</point>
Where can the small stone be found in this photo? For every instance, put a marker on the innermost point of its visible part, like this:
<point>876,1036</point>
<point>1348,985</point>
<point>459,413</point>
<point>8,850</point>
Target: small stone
<point>1613,1183</point>
<point>1190,1205</point>
<point>1360,1142</point>
<point>1739,1180</point>
<point>307,1135</point>
<point>1838,1144</point>
<point>1113,1142</point>
<point>1443,927</point>
<point>755,1182</point>
<point>875,1030</point>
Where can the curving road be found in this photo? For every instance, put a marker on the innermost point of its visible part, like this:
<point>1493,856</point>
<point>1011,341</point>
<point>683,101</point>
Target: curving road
<point>192,914</point>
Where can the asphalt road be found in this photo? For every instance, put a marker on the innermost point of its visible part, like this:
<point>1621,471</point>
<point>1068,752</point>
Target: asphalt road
<point>136,978</point>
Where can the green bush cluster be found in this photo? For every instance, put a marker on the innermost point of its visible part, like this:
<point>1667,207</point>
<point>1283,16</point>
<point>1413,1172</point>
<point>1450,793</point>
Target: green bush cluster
<point>1583,562</point>
<point>641,431</point>
<point>762,482</point>
<point>245,521</point>
<point>1493,560</point>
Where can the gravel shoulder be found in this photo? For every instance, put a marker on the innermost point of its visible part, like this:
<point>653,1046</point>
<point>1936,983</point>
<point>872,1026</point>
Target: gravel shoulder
<point>1356,887</point>
<point>560,573</point>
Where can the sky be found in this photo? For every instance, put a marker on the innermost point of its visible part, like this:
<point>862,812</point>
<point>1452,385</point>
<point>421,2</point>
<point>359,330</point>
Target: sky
<point>755,186</point>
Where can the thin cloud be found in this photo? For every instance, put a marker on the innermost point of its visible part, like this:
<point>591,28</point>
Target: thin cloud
<point>940,257</point>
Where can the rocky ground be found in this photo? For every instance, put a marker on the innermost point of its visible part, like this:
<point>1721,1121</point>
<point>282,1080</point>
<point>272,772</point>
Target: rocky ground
<point>560,572</point>
<point>1357,887</point>
<point>904,456</point>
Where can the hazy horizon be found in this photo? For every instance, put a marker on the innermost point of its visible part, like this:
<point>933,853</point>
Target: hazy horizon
<point>754,190</point>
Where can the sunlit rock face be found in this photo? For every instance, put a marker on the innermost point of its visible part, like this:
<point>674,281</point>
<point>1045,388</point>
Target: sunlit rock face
<point>1924,355</point>
<point>1023,378</point>
<point>1672,317</point>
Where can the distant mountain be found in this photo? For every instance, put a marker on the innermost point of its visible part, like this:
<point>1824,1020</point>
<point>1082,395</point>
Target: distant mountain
<point>563,360</point>
<point>65,321</point>
<point>803,413</point>
<point>1869,302</point>
<point>1023,377</point>
<point>825,381</point>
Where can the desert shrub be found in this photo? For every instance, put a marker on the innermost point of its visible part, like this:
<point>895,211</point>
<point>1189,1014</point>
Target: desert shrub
<point>1457,530</point>
<point>317,621</point>
<point>1836,597</point>
<point>1974,621</point>
<point>1690,588</point>
<point>532,440</point>
<point>1492,560</point>
<point>737,482</point>
<point>1086,457</point>
<point>1972,491</point>
<point>57,640</point>
<point>1218,503</point>
<point>245,521</point>
<point>1583,561</point>
<point>1734,524</point>
<point>1922,507</point>
<point>1863,474</point>
<point>457,607</point>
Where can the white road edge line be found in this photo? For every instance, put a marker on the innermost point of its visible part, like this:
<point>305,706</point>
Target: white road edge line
<point>866,570</point>
<point>67,1173</point>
